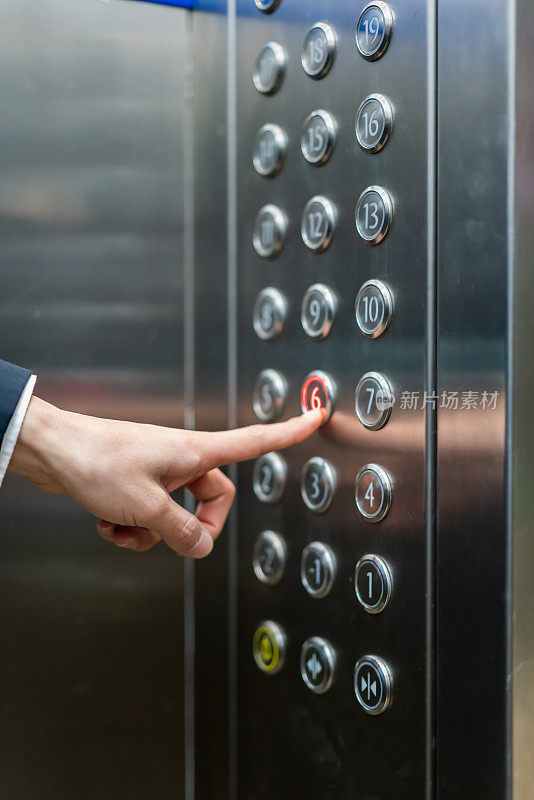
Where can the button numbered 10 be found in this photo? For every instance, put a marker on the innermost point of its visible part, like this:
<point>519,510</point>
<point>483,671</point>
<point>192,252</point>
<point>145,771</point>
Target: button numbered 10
<point>373,308</point>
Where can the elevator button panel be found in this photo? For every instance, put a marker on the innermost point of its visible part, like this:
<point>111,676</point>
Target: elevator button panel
<point>269,477</point>
<point>269,68</point>
<point>267,6</point>
<point>372,684</point>
<point>373,214</point>
<point>373,492</point>
<point>318,484</point>
<point>269,150</point>
<point>318,137</point>
<point>318,223</point>
<point>374,29</point>
<point>373,400</point>
<point>318,391</point>
<point>318,50</point>
<point>372,583</point>
<point>269,557</point>
<point>269,396</point>
<point>373,308</point>
<point>269,647</point>
<point>317,569</point>
<point>318,311</point>
<point>269,231</point>
<point>374,121</point>
<point>317,664</point>
<point>269,315</point>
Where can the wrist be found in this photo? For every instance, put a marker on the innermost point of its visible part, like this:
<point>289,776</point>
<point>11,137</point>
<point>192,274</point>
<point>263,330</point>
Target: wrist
<point>35,442</point>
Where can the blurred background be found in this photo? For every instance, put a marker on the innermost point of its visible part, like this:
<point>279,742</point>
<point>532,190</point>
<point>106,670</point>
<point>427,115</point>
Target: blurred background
<point>91,228</point>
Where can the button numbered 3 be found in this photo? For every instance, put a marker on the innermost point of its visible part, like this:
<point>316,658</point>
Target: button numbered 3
<point>318,484</point>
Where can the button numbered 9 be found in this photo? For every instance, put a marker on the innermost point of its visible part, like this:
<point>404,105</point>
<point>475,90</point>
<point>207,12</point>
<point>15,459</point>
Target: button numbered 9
<point>374,120</point>
<point>269,315</point>
<point>269,151</point>
<point>317,224</point>
<point>373,214</point>
<point>269,68</point>
<point>374,29</point>
<point>318,50</point>
<point>269,478</point>
<point>318,484</point>
<point>373,493</point>
<point>318,136</point>
<point>318,311</point>
<point>373,308</point>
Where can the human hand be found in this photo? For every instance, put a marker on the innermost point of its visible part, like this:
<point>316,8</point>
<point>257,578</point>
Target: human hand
<point>123,472</point>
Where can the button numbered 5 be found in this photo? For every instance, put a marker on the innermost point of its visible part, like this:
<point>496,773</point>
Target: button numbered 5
<point>269,396</point>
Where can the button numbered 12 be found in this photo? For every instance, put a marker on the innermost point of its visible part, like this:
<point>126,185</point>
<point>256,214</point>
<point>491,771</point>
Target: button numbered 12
<point>317,224</point>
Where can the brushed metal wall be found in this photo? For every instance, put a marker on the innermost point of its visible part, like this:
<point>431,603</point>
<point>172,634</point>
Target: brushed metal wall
<point>91,222</point>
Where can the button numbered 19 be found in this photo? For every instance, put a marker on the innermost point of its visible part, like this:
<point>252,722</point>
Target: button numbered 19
<point>269,231</point>
<point>374,120</point>
<point>373,492</point>
<point>373,400</point>
<point>269,68</point>
<point>318,136</point>
<point>318,50</point>
<point>269,150</point>
<point>373,214</point>
<point>373,308</point>
<point>374,29</point>
<point>317,224</point>
<point>269,478</point>
<point>269,315</point>
<point>318,484</point>
<point>269,396</point>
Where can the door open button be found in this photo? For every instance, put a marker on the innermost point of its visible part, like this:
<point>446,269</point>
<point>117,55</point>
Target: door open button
<point>318,391</point>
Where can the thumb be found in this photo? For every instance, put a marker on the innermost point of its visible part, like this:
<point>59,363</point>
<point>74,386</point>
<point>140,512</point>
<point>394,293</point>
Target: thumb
<point>180,529</point>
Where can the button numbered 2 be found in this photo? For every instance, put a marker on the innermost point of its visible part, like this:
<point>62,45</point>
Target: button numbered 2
<point>269,478</point>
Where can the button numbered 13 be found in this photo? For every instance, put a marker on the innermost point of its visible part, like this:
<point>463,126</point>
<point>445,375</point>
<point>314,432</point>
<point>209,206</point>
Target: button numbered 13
<point>374,214</point>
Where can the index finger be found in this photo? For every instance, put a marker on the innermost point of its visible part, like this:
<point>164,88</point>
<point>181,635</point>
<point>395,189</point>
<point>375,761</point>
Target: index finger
<point>241,444</point>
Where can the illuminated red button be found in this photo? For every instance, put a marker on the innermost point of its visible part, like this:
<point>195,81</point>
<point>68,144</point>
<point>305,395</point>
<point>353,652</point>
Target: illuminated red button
<point>318,391</point>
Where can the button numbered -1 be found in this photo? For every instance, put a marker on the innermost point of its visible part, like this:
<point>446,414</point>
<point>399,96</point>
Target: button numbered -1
<point>317,569</point>
<point>373,214</point>
<point>318,484</point>
<point>374,29</point>
<point>269,396</point>
<point>374,120</point>
<point>373,492</point>
<point>372,583</point>
<point>269,231</point>
<point>269,68</point>
<point>269,557</point>
<point>373,308</point>
<point>269,478</point>
<point>317,664</point>
<point>372,684</point>
<point>269,315</point>
<point>373,400</point>
<point>269,647</point>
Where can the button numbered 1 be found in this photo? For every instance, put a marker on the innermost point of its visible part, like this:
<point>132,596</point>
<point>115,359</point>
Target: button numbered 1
<point>269,231</point>
<point>318,484</point>
<point>373,308</point>
<point>373,400</point>
<point>318,136</point>
<point>269,315</point>
<point>373,492</point>
<point>269,478</point>
<point>269,396</point>
<point>317,569</point>
<point>318,50</point>
<point>269,151</point>
<point>269,557</point>
<point>372,583</point>
<point>317,224</point>
<point>374,120</point>
<point>269,68</point>
<point>373,214</point>
<point>374,29</point>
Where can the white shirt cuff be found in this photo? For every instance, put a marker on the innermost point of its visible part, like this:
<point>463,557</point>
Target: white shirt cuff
<point>13,429</point>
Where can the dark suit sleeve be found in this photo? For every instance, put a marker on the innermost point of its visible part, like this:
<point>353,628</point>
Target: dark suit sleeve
<point>13,381</point>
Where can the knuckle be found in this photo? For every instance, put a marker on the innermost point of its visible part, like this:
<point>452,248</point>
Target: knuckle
<point>190,533</point>
<point>156,508</point>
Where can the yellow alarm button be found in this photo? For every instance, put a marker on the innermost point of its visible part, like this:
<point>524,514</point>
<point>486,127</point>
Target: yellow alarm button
<point>268,646</point>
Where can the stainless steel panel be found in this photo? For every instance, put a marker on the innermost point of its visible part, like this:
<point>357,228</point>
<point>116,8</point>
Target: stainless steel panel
<point>292,743</point>
<point>91,239</point>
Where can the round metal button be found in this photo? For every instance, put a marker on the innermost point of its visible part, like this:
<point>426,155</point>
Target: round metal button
<point>270,149</point>
<point>373,492</point>
<point>372,583</point>
<point>317,569</point>
<point>318,484</point>
<point>373,214</point>
<point>267,6</point>
<point>372,684</point>
<point>373,308</point>
<point>317,224</point>
<point>318,391</point>
<point>269,316</point>
<point>269,647</point>
<point>374,29</point>
<point>318,136</point>
<point>373,400</point>
<point>270,391</point>
<point>269,68</point>
<point>374,121</point>
<point>317,664</point>
<point>319,306</point>
<point>269,557</point>
<point>318,50</point>
<point>269,478</point>
<point>269,231</point>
